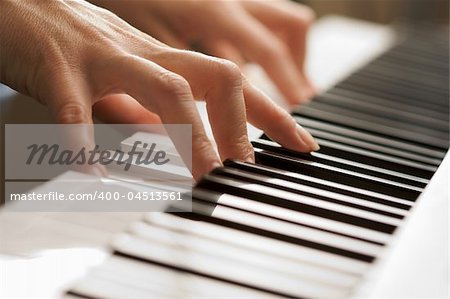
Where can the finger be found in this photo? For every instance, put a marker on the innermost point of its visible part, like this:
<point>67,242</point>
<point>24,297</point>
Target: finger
<point>168,95</point>
<point>258,44</point>
<point>297,30</point>
<point>70,105</point>
<point>276,122</point>
<point>292,21</point>
<point>219,83</point>
<point>162,33</point>
<point>123,109</point>
<point>224,49</point>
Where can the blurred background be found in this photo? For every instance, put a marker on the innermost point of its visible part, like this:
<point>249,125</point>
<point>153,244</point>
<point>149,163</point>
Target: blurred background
<point>384,11</point>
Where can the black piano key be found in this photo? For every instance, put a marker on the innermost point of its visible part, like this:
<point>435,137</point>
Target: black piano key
<point>391,75</point>
<point>390,158</point>
<point>138,256</point>
<point>313,193</point>
<point>410,71</point>
<point>404,82</point>
<point>405,54</point>
<point>439,116</point>
<point>240,189</point>
<point>387,96</point>
<point>414,103</point>
<point>402,74</point>
<point>201,215</point>
<point>204,208</point>
<point>290,219</point>
<point>439,143</point>
<point>384,121</point>
<point>325,267</point>
<point>383,111</point>
<point>75,294</point>
<point>296,162</point>
<point>379,68</point>
<point>418,50</point>
<point>320,184</point>
<point>434,155</point>
<point>394,92</point>
<point>343,163</point>
<point>366,152</point>
<point>363,157</point>
<point>430,47</point>
<point>437,68</point>
<point>279,161</point>
<point>223,255</point>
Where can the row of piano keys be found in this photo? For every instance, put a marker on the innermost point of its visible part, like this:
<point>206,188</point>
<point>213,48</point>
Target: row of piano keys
<point>301,225</point>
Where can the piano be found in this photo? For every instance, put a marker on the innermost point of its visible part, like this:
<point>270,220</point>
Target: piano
<point>319,225</point>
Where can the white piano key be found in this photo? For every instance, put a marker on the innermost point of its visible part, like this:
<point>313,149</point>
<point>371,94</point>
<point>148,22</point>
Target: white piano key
<point>293,230</point>
<point>333,195</point>
<point>409,147</point>
<point>169,282</point>
<point>385,121</point>
<point>383,107</point>
<point>340,186</point>
<point>376,127</point>
<point>373,168</point>
<point>116,176</point>
<point>163,143</point>
<point>248,258</point>
<point>356,164</point>
<point>102,287</point>
<point>321,204</point>
<point>303,218</point>
<point>69,296</point>
<point>232,271</point>
<point>304,255</point>
<point>164,172</point>
<point>349,172</point>
<point>404,107</point>
<point>373,150</point>
<point>341,197</point>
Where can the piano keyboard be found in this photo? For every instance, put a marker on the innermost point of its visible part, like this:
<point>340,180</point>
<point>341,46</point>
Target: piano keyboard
<point>297,225</point>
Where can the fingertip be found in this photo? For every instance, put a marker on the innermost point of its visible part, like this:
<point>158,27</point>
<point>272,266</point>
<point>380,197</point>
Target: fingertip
<point>250,157</point>
<point>307,138</point>
<point>214,165</point>
<point>98,170</point>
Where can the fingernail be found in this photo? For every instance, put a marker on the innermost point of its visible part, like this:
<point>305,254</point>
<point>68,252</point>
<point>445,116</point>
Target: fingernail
<point>307,138</point>
<point>250,159</point>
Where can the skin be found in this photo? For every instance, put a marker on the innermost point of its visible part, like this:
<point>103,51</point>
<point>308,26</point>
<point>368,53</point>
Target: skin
<point>269,33</point>
<point>81,60</point>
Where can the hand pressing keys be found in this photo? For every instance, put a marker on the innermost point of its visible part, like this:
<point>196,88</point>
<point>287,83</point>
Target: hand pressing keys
<point>79,59</point>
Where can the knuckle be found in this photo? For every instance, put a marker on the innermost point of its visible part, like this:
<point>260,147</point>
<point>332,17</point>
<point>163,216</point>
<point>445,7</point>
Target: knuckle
<point>174,85</point>
<point>305,17</point>
<point>228,71</point>
<point>73,113</point>
<point>309,15</point>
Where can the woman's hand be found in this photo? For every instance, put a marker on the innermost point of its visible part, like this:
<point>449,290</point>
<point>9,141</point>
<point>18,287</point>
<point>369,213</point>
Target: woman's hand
<point>270,33</point>
<point>73,56</point>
